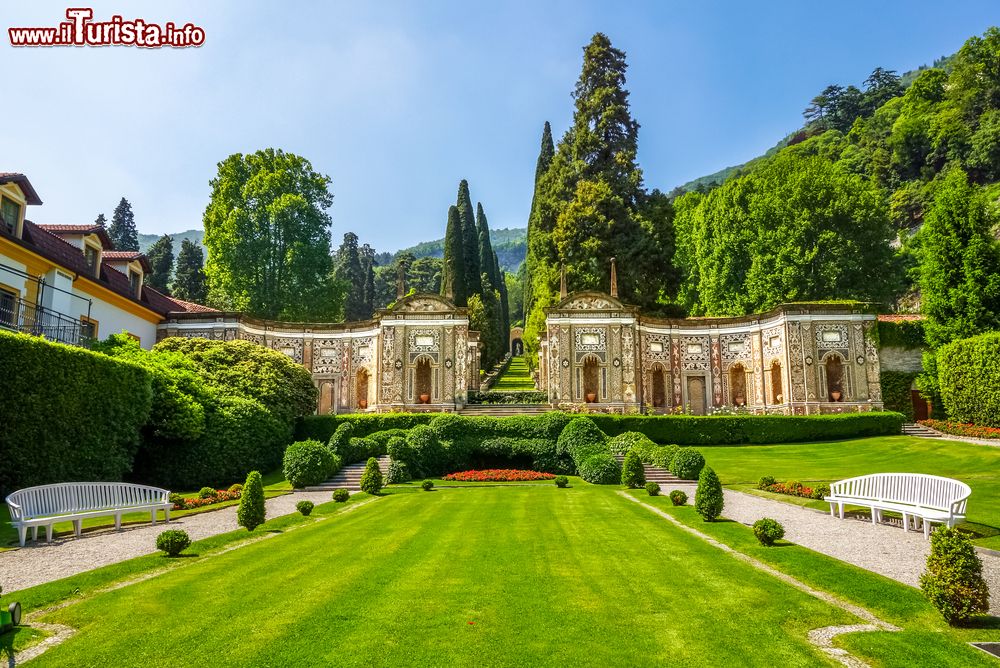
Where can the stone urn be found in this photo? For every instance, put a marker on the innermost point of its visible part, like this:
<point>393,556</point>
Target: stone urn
<point>778,398</point>
<point>835,395</point>
<point>739,400</point>
<point>591,397</point>
<point>363,404</point>
<point>425,398</point>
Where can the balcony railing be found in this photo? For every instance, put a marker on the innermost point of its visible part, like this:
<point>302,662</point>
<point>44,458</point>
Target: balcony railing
<point>19,315</point>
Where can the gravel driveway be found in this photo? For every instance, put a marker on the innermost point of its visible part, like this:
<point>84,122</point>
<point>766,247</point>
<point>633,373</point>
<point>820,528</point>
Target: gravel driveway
<point>41,562</point>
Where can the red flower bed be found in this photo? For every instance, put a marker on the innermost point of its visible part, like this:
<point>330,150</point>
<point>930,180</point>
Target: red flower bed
<point>961,429</point>
<point>498,475</point>
<point>795,488</point>
<point>220,496</point>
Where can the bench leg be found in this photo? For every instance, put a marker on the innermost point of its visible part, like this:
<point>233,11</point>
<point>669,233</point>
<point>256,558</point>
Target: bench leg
<point>927,529</point>
<point>34,534</point>
<point>152,516</point>
<point>906,523</point>
<point>841,511</point>
<point>874,516</point>
<point>118,521</point>
<point>77,527</point>
<point>166,515</point>
<point>833,509</point>
<point>48,533</point>
<point>22,533</point>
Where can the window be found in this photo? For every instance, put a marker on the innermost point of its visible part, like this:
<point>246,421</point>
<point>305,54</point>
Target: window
<point>8,307</point>
<point>135,280</point>
<point>88,327</point>
<point>91,255</point>
<point>10,212</point>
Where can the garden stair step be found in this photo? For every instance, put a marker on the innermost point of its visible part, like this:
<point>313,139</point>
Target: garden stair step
<point>504,410</point>
<point>349,477</point>
<point>913,429</point>
<point>654,473</point>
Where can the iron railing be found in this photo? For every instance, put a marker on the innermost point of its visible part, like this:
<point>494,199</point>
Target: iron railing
<point>19,315</point>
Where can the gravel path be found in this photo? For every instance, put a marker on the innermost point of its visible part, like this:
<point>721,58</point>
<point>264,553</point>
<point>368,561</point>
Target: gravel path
<point>884,549</point>
<point>41,562</point>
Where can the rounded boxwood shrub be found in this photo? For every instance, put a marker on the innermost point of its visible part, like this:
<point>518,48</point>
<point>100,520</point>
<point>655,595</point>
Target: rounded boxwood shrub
<point>308,463</point>
<point>427,456</point>
<point>177,499</point>
<point>173,542</point>
<point>601,469</point>
<point>341,495</point>
<point>687,464</point>
<point>371,479</point>
<point>624,442</point>
<point>304,507</point>
<point>206,493</point>
<point>427,485</point>
<point>397,473</point>
<point>820,491</point>
<point>252,511</point>
<point>766,481</point>
<point>953,581</point>
<point>341,440</point>
<point>768,531</point>
<point>708,499</point>
<point>633,474</point>
<point>561,481</point>
<point>653,488</point>
<point>678,497</point>
<point>581,439</point>
<point>661,456</point>
<point>236,487</point>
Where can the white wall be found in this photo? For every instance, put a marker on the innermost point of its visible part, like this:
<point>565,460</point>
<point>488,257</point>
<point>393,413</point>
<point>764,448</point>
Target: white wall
<point>112,320</point>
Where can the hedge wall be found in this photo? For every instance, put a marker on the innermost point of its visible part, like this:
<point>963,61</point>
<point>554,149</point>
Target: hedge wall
<point>896,391</point>
<point>908,334</point>
<point>71,414</point>
<point>679,429</point>
<point>969,379</point>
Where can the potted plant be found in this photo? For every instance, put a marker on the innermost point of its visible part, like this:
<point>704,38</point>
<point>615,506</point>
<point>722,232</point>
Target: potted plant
<point>363,404</point>
<point>591,397</point>
<point>835,395</point>
<point>425,398</point>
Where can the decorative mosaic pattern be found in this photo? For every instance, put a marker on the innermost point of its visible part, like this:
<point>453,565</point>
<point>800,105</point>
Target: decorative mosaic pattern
<point>695,353</point>
<point>425,346</point>
<point>773,341</point>
<point>592,303</point>
<point>735,348</point>
<point>832,337</point>
<point>590,339</point>
<point>288,346</point>
<point>328,356</point>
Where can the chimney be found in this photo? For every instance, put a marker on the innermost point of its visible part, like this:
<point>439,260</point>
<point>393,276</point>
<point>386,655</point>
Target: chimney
<point>614,278</point>
<point>562,282</point>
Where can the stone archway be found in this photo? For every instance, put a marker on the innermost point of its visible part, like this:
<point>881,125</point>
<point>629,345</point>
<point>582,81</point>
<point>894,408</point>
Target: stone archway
<point>834,368</point>
<point>517,347</point>
<point>423,385</point>
<point>697,399</point>
<point>591,380</point>
<point>777,393</point>
<point>738,385</point>
<point>361,389</point>
<point>659,385</point>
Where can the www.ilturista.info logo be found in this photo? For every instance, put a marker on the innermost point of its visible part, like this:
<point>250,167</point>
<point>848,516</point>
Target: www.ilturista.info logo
<point>80,30</point>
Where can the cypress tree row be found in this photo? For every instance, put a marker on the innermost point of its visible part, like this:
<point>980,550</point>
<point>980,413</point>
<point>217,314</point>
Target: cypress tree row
<point>349,271</point>
<point>470,240</point>
<point>487,259</point>
<point>453,284</point>
<point>545,154</point>
<point>368,271</point>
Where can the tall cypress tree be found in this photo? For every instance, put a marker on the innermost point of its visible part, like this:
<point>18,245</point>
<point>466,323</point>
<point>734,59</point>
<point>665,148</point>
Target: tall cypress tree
<point>470,240</point>
<point>348,271</point>
<point>122,230</point>
<point>545,154</point>
<point>453,283</point>
<point>368,270</point>
<point>189,278</point>
<point>161,259</point>
<point>487,260</point>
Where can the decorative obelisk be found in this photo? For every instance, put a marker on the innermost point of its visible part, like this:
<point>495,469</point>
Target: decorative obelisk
<point>562,282</point>
<point>614,278</point>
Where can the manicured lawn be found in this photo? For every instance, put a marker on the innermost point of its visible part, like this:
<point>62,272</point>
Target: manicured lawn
<point>976,465</point>
<point>275,485</point>
<point>490,576</point>
<point>517,378</point>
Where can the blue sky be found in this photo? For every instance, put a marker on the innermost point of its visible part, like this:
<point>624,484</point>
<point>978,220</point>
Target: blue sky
<point>398,101</point>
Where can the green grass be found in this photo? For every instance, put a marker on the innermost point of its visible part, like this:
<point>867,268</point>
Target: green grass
<point>487,576</point>
<point>976,465</point>
<point>517,377</point>
<point>274,485</point>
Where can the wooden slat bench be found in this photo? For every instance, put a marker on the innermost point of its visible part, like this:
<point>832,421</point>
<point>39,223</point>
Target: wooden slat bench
<point>45,505</point>
<point>916,496</point>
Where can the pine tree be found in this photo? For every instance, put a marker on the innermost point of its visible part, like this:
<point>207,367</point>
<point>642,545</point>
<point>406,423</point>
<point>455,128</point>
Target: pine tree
<point>101,221</point>
<point>470,240</point>
<point>349,271</point>
<point>453,283</point>
<point>960,271</point>
<point>189,277</point>
<point>252,511</point>
<point>368,270</point>
<point>122,230</point>
<point>161,259</point>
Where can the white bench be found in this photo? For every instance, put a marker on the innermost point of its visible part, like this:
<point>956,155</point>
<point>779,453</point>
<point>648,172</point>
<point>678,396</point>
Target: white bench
<point>45,505</point>
<point>917,496</point>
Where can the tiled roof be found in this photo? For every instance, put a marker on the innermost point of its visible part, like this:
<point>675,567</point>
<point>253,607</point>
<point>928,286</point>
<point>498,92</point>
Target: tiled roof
<point>191,307</point>
<point>128,256</point>
<point>22,181</point>
<point>80,229</point>
<point>899,317</point>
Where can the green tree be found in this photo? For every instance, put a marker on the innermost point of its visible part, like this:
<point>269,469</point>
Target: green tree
<point>371,479</point>
<point>960,263</point>
<point>350,272</point>
<point>708,498</point>
<point>252,511</point>
<point>545,154</point>
<point>881,86</point>
<point>101,221</point>
<point>470,239</point>
<point>453,283</point>
<point>368,288</point>
<point>189,278</point>
<point>161,259</point>
<point>268,238</point>
<point>633,473</point>
<point>953,580</point>
<point>487,259</point>
<point>122,230</point>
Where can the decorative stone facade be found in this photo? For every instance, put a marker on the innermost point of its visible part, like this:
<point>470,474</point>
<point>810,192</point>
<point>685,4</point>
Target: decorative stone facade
<point>797,359</point>
<point>419,355</point>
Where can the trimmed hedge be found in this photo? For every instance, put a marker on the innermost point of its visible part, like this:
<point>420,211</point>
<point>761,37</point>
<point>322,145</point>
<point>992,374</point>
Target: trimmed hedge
<point>907,334</point>
<point>679,429</point>
<point>601,469</point>
<point>308,463</point>
<point>969,379</point>
<point>896,391</point>
<point>494,397</point>
<point>72,414</point>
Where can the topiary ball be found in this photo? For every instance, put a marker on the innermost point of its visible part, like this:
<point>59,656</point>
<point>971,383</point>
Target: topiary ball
<point>653,488</point>
<point>427,485</point>
<point>173,542</point>
<point>561,481</point>
<point>768,531</point>
<point>678,498</point>
<point>341,495</point>
<point>687,464</point>
<point>304,507</point>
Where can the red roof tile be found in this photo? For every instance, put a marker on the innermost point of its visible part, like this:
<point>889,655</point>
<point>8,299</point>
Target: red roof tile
<point>191,307</point>
<point>60,230</point>
<point>24,183</point>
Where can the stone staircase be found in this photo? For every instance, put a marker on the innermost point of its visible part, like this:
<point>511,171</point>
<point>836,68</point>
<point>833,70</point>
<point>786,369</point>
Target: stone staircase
<point>349,477</point>
<point>503,410</point>
<point>914,429</point>
<point>656,474</point>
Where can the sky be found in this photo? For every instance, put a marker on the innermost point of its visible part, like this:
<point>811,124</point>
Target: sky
<point>398,101</point>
